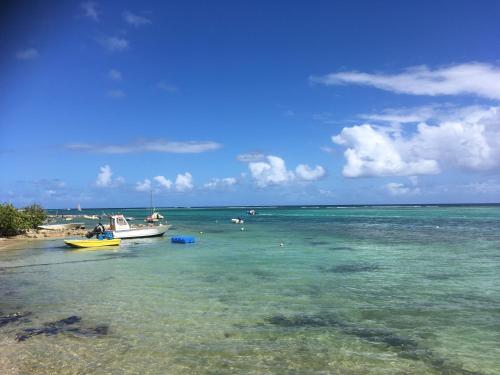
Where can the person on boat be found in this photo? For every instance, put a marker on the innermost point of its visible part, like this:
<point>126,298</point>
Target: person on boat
<point>98,229</point>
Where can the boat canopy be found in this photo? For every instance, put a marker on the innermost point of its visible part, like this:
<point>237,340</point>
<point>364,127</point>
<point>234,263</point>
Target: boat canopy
<point>118,222</point>
<point>157,215</point>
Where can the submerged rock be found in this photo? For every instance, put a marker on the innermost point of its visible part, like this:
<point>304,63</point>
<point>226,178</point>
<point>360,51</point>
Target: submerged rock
<point>407,347</point>
<point>263,274</point>
<point>340,248</point>
<point>10,318</point>
<point>352,268</point>
<point>65,325</point>
<point>100,330</point>
<point>305,321</point>
<point>384,336</point>
<point>69,320</point>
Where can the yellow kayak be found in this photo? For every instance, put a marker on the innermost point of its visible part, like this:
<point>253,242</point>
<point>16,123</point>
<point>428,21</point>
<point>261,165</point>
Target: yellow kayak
<point>93,243</point>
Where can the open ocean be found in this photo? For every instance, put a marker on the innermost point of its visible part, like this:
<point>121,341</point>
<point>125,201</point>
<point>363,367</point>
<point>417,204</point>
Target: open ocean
<point>353,290</point>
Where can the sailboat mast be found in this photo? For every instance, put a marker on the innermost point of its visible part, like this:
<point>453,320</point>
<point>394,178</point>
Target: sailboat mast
<point>151,201</point>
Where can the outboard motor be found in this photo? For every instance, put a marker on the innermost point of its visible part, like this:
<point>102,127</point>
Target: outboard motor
<point>98,229</point>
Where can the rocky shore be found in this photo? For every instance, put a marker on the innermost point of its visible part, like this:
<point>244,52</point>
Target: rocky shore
<point>43,233</point>
<point>12,243</point>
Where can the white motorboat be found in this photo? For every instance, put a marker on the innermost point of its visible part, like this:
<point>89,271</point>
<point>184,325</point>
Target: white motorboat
<point>238,220</point>
<point>121,229</point>
<point>91,217</point>
<point>62,226</point>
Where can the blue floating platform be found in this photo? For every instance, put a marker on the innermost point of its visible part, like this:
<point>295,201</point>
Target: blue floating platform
<point>183,239</point>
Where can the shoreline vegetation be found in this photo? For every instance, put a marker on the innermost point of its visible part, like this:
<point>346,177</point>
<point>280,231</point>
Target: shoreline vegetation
<point>20,225</point>
<point>15,221</point>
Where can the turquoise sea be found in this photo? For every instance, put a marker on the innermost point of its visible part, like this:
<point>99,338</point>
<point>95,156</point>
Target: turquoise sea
<point>352,290</point>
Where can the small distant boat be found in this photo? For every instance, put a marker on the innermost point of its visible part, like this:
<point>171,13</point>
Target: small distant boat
<point>154,217</point>
<point>251,212</point>
<point>121,229</point>
<point>79,208</point>
<point>91,217</point>
<point>130,218</point>
<point>237,220</point>
<point>93,243</point>
<point>62,226</point>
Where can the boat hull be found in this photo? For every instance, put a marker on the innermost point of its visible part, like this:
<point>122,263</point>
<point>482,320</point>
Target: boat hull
<point>92,243</point>
<point>141,232</point>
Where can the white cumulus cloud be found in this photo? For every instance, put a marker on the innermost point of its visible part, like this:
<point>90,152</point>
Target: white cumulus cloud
<point>374,152</point>
<point>473,78</point>
<point>272,171</point>
<point>268,170</point>
<point>104,178</point>
<point>306,173</point>
<point>216,183</point>
<point>163,182</point>
<point>143,185</point>
<point>184,182</point>
<point>471,142</point>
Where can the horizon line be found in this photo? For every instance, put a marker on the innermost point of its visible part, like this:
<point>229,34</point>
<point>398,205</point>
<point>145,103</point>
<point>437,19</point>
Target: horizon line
<point>288,205</point>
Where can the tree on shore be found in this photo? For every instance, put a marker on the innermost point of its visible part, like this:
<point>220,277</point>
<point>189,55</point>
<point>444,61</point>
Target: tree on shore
<point>14,221</point>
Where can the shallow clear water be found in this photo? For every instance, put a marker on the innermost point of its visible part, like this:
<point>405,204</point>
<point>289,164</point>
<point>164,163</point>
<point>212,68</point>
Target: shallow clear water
<point>363,290</point>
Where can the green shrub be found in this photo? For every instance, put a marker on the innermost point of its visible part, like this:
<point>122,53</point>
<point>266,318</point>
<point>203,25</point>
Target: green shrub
<point>34,216</point>
<point>10,220</point>
<point>14,221</point>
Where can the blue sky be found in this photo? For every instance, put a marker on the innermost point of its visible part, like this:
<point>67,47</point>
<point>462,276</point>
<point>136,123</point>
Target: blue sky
<point>237,102</point>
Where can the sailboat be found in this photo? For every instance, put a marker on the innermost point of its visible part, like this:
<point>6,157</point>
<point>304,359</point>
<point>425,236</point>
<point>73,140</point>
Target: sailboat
<point>79,208</point>
<point>154,216</point>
